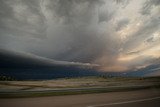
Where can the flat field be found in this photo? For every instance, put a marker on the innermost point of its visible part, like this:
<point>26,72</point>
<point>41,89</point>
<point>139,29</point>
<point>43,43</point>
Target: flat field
<point>81,85</point>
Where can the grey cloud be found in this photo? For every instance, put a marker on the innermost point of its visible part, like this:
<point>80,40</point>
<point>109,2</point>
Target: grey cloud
<point>70,30</point>
<point>149,27</point>
<point>105,15</point>
<point>73,11</point>
<point>148,5</point>
<point>150,40</point>
<point>124,3</point>
<point>74,30</point>
<point>133,52</point>
<point>122,23</point>
<point>21,18</point>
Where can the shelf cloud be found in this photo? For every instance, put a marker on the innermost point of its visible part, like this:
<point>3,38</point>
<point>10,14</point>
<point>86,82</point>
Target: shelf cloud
<point>116,35</point>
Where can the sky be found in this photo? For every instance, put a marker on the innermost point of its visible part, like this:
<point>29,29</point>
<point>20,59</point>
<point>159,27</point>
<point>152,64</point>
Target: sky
<point>115,35</point>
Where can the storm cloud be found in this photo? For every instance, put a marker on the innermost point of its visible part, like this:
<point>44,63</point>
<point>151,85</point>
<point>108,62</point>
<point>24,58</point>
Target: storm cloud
<point>102,32</point>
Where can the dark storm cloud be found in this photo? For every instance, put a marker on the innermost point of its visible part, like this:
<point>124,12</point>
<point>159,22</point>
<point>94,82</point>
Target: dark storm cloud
<point>59,29</point>
<point>22,60</point>
<point>92,31</point>
<point>74,30</point>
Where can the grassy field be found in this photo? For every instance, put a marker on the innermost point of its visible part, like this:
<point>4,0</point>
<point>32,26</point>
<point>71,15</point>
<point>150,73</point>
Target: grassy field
<point>81,85</point>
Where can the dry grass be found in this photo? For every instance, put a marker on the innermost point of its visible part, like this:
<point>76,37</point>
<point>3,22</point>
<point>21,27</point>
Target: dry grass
<point>76,83</point>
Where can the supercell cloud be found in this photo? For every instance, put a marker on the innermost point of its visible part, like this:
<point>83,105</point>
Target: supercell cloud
<point>117,35</point>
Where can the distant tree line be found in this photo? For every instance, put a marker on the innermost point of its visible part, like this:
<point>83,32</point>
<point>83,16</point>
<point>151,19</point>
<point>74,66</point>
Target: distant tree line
<point>6,78</point>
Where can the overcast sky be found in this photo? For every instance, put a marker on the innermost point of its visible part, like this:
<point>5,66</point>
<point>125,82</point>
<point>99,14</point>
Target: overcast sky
<point>117,35</point>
